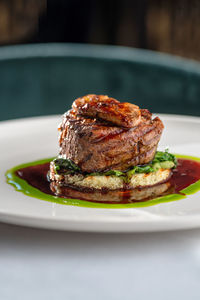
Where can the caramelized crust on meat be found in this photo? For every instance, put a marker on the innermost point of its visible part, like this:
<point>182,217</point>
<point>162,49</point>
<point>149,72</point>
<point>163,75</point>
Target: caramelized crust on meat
<point>109,109</point>
<point>99,141</point>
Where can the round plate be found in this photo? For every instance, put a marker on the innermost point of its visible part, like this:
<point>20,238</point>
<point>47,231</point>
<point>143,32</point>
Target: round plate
<point>31,139</point>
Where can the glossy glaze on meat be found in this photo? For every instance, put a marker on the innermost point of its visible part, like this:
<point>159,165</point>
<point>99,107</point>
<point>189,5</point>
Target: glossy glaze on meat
<point>96,137</point>
<point>98,106</point>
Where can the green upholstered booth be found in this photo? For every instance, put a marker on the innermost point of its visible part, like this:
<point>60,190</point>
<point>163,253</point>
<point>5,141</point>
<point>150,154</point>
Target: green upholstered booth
<point>45,79</point>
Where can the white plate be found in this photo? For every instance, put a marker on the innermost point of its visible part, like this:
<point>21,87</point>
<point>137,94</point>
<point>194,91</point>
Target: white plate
<point>30,139</point>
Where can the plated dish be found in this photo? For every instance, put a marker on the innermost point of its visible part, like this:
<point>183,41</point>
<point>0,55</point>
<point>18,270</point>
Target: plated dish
<point>19,208</point>
<point>108,155</point>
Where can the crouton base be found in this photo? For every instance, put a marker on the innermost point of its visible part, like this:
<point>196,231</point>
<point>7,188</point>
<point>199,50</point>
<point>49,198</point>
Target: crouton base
<point>111,182</point>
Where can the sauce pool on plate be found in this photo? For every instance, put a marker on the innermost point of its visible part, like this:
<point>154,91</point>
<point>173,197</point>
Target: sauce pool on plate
<point>31,179</point>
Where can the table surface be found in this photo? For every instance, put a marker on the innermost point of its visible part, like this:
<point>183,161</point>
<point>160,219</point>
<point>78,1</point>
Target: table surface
<point>44,264</point>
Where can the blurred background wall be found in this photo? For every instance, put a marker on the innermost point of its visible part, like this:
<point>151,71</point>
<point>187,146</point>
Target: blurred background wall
<point>171,26</point>
<point>45,79</point>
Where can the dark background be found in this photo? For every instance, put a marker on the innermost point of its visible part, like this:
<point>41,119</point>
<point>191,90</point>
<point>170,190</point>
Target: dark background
<point>162,25</point>
<point>45,79</point>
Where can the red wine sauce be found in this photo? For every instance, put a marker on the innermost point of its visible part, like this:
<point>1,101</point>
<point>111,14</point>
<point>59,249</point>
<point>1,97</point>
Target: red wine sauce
<point>186,173</point>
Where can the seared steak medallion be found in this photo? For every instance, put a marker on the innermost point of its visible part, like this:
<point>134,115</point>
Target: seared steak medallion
<point>100,133</point>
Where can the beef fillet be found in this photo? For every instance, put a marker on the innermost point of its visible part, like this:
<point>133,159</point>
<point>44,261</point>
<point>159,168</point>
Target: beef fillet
<point>100,134</point>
